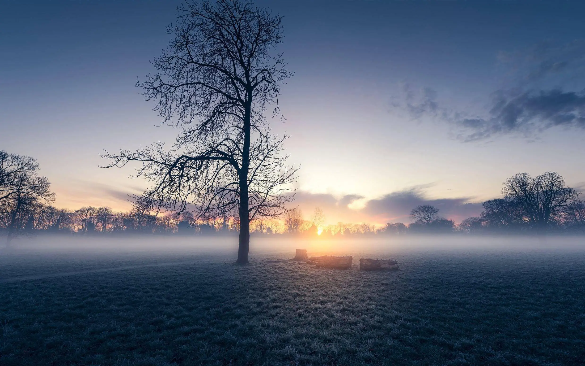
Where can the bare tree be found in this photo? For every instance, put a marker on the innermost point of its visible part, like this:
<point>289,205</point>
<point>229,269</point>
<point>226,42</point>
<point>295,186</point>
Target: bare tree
<point>318,218</point>
<point>103,216</point>
<point>395,229</point>
<point>424,214</point>
<point>21,191</point>
<point>293,221</point>
<point>217,79</point>
<point>573,215</point>
<point>502,215</point>
<point>541,199</point>
<point>12,168</point>
<point>85,218</point>
<point>471,225</point>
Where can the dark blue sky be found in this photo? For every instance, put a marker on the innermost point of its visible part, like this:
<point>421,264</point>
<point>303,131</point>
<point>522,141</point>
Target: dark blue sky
<point>405,95</point>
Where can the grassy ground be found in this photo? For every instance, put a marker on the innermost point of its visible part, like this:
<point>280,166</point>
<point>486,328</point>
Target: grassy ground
<point>439,309</point>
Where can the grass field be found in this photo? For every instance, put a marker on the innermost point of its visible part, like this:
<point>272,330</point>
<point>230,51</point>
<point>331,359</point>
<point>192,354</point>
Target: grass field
<point>441,308</point>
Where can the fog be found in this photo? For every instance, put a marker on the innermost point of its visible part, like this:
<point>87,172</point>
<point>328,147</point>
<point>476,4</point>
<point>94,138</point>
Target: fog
<point>261,247</point>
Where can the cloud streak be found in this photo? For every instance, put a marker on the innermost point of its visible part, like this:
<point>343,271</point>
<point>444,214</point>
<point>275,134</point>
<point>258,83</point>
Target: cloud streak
<point>528,107</point>
<point>396,206</point>
<point>393,207</point>
<point>545,60</point>
<point>527,113</point>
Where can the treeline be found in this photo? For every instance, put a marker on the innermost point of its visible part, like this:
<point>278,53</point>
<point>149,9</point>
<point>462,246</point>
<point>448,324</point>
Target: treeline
<point>528,205</point>
<point>531,205</point>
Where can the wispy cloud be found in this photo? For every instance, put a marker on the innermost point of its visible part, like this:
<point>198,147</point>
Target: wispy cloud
<point>545,60</point>
<point>392,207</point>
<point>526,107</point>
<point>397,206</point>
<point>528,113</point>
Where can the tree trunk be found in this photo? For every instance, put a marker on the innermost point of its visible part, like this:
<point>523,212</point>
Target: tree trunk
<point>11,226</point>
<point>244,245</point>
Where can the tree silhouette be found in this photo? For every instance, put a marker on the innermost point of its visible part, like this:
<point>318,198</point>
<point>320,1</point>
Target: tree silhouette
<point>318,218</point>
<point>21,192</point>
<point>395,229</point>
<point>472,225</point>
<point>540,198</point>
<point>86,218</point>
<point>293,221</point>
<point>502,215</point>
<point>103,216</point>
<point>424,214</point>
<point>573,215</point>
<point>216,80</point>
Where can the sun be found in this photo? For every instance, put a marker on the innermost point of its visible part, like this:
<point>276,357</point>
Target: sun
<point>319,230</point>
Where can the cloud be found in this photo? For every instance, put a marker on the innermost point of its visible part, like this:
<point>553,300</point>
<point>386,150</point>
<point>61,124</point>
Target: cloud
<point>419,102</point>
<point>527,113</point>
<point>545,60</point>
<point>119,195</point>
<point>334,208</point>
<point>393,207</point>
<point>397,206</point>
<point>511,111</point>
<point>86,193</point>
<point>527,107</point>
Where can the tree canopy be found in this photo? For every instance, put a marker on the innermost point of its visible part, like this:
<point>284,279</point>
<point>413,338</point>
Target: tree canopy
<point>22,190</point>
<point>540,199</point>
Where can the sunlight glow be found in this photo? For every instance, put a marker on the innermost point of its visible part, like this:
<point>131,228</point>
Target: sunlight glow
<point>319,230</point>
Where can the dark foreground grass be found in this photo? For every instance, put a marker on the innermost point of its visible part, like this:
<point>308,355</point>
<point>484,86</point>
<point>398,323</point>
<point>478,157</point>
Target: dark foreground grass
<point>439,309</point>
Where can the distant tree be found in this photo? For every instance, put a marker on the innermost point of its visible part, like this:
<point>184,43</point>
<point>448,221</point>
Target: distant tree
<point>541,199</point>
<point>103,215</point>
<point>472,225</point>
<point>573,216</point>
<point>395,229</point>
<point>165,224</point>
<point>424,214</point>
<point>206,228</point>
<point>60,220</point>
<point>318,218</point>
<point>85,219</point>
<point>143,221</point>
<point>22,190</point>
<point>502,215</point>
<point>186,220</point>
<point>12,169</point>
<point>261,226</point>
<point>117,222</point>
<point>441,225</point>
<point>366,229</point>
<point>184,228</point>
<point>129,223</point>
<point>48,218</point>
<point>293,220</point>
<point>316,224</point>
<point>5,166</point>
<point>221,69</point>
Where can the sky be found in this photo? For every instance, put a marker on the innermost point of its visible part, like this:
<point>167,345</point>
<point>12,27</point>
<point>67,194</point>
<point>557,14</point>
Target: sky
<point>392,104</point>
